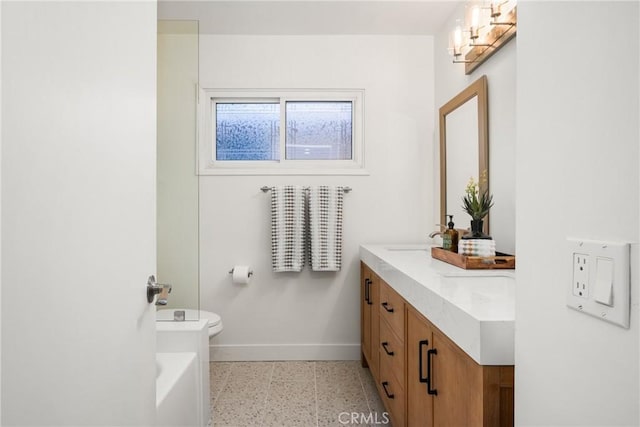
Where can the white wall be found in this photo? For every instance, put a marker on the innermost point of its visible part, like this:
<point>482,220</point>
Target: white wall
<point>78,212</point>
<point>177,180</point>
<point>316,315</point>
<point>577,175</point>
<point>500,70</point>
<point>0,207</point>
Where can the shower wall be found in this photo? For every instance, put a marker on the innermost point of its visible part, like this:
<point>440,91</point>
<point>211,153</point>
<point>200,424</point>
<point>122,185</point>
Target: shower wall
<point>177,181</point>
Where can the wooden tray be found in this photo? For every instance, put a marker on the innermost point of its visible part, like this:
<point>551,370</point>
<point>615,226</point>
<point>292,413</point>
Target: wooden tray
<point>500,261</point>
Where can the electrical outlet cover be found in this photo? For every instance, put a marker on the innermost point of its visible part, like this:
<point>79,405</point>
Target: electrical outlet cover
<point>587,300</point>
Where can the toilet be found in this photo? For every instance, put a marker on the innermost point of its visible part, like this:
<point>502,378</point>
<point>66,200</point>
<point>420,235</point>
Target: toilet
<point>214,321</point>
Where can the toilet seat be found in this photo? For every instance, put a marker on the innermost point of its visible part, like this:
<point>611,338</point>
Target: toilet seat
<point>214,322</point>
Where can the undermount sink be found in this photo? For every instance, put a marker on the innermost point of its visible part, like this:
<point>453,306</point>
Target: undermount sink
<point>405,249</point>
<point>471,274</point>
<point>480,280</point>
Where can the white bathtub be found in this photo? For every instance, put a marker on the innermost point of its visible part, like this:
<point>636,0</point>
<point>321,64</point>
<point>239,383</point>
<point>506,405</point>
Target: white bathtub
<point>182,381</point>
<point>177,377</point>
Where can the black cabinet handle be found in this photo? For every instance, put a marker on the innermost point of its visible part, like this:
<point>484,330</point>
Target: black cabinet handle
<point>366,290</point>
<point>386,307</point>
<point>384,386</point>
<point>386,350</point>
<point>369,301</point>
<point>422,344</point>
<point>429,372</point>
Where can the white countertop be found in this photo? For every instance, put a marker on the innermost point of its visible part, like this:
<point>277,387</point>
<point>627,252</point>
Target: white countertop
<point>474,308</point>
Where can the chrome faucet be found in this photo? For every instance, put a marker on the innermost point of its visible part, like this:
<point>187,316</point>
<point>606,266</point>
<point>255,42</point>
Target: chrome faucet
<point>437,233</point>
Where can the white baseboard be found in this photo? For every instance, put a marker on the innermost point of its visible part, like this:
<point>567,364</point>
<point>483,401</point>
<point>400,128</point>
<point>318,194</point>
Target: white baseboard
<point>267,352</point>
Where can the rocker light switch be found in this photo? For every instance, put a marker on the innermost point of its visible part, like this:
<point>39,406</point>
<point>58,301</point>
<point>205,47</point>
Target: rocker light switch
<point>603,292</point>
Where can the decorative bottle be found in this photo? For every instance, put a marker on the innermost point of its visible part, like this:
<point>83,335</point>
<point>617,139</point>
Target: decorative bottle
<point>450,237</point>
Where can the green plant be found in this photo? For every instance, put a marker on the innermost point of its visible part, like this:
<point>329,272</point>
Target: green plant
<point>475,204</point>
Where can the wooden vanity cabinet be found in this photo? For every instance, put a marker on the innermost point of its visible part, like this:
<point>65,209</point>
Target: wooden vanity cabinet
<point>370,323</point>
<point>445,387</point>
<point>422,376</point>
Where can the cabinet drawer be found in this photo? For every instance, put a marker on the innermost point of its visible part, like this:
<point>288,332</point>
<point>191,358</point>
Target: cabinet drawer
<point>392,395</point>
<point>391,350</point>
<point>392,308</point>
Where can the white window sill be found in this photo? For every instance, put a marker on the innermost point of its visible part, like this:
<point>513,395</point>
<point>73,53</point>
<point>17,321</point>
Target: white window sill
<point>293,171</point>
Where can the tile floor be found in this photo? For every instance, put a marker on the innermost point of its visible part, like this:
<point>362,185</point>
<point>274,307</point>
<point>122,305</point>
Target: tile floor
<point>296,394</point>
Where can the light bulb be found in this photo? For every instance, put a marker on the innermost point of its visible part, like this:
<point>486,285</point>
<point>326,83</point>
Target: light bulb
<point>475,17</point>
<point>457,41</point>
<point>457,37</point>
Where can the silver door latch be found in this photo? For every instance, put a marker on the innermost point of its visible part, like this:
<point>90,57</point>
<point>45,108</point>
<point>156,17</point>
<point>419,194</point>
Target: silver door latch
<point>154,288</point>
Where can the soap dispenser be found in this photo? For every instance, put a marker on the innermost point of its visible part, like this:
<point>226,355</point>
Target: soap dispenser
<point>450,237</point>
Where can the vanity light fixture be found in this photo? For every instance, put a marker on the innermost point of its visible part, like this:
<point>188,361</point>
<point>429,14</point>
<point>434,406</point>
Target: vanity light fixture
<point>483,33</point>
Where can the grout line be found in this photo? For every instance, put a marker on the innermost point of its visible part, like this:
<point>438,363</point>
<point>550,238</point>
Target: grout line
<point>222,386</point>
<point>213,400</point>
<point>266,397</point>
<point>315,387</point>
<point>366,395</point>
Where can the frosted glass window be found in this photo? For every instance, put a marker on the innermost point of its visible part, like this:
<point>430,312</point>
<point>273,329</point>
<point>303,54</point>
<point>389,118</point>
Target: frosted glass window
<point>319,130</point>
<point>247,131</point>
<point>281,132</point>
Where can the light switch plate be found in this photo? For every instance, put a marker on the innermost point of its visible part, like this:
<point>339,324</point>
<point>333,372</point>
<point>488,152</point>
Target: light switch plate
<point>602,260</point>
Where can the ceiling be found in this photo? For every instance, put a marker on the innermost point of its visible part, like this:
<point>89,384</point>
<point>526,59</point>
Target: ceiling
<point>300,17</point>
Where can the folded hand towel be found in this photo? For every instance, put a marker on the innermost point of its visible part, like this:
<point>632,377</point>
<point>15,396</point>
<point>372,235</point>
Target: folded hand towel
<point>287,228</point>
<point>477,247</point>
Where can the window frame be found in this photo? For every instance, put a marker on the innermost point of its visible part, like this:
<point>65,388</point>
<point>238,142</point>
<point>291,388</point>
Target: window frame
<point>208,165</point>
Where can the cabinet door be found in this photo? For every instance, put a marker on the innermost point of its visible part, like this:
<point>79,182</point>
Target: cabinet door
<point>419,340</point>
<point>370,318</point>
<point>458,380</point>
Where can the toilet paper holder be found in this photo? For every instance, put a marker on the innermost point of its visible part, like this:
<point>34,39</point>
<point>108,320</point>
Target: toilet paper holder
<point>250,272</point>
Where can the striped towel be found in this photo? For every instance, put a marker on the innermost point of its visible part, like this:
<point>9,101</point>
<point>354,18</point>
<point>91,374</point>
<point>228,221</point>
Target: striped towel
<point>287,228</point>
<point>325,227</point>
<point>477,247</point>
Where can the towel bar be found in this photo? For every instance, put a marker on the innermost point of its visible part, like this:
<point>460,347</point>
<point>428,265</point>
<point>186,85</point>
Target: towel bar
<point>265,189</point>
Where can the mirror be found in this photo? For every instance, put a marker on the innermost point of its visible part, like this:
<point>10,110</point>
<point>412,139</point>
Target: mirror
<point>464,150</point>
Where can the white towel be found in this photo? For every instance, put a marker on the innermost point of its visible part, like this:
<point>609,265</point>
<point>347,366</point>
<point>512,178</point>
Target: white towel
<point>287,228</point>
<point>325,227</point>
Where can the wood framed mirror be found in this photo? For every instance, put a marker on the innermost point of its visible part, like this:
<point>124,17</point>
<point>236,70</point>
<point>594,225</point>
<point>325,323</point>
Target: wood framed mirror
<point>464,150</point>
